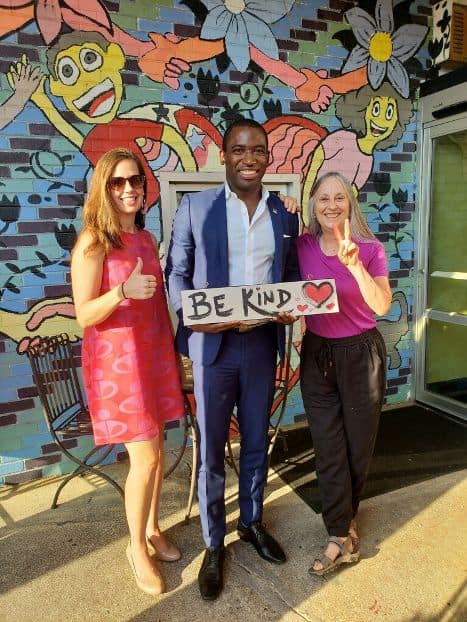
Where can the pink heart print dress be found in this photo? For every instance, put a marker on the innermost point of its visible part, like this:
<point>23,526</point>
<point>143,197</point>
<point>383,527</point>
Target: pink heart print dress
<point>129,364</point>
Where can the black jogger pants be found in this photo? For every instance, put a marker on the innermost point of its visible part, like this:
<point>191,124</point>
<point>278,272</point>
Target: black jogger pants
<point>343,383</point>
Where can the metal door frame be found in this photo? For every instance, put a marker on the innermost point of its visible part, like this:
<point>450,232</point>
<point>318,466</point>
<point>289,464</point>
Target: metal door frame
<point>427,133</point>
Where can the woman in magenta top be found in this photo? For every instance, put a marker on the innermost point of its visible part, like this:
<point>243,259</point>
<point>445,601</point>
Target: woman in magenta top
<point>343,358</point>
<point>130,368</point>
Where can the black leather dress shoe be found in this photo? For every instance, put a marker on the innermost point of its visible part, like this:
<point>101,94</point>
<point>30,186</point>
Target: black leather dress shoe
<point>211,574</point>
<point>264,543</point>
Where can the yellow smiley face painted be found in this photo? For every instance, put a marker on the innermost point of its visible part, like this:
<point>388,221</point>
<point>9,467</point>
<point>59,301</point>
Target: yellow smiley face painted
<point>380,118</point>
<point>89,81</point>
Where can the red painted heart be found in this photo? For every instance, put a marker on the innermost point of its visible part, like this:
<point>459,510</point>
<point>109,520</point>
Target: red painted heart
<point>330,306</point>
<point>302,307</point>
<point>318,293</point>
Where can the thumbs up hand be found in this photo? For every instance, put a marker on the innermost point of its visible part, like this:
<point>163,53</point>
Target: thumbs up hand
<point>139,286</point>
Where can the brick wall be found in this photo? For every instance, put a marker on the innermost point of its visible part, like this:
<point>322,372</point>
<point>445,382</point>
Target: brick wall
<point>47,145</point>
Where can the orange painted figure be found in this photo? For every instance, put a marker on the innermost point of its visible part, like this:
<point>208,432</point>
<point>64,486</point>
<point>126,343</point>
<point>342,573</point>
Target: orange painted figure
<point>165,57</point>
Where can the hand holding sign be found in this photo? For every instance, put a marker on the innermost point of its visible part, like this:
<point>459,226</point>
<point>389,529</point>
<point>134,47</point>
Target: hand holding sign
<point>284,317</point>
<point>139,286</point>
<point>348,250</point>
<point>218,327</point>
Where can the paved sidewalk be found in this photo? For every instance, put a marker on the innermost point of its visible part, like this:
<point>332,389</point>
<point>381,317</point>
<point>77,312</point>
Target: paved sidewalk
<point>69,564</point>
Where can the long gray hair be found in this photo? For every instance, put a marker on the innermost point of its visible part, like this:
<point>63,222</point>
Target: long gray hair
<point>359,229</point>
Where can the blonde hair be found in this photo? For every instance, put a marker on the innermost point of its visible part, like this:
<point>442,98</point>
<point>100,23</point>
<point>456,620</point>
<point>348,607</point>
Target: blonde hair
<point>100,216</point>
<point>358,226</point>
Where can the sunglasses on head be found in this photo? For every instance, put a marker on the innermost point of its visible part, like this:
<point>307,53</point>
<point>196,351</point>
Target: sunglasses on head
<point>135,181</point>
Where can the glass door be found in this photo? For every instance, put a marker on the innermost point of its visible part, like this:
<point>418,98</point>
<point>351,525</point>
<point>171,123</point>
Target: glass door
<point>441,327</point>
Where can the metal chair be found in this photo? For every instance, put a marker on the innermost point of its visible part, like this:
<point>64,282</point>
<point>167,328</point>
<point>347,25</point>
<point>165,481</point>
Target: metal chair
<point>188,422</point>
<point>66,413</point>
<point>190,429</point>
<point>282,387</point>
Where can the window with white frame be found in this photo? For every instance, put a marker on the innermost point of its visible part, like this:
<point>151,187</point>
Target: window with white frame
<point>175,184</point>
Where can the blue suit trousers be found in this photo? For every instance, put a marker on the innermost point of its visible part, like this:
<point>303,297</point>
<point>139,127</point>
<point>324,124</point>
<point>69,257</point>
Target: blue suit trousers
<point>242,375</point>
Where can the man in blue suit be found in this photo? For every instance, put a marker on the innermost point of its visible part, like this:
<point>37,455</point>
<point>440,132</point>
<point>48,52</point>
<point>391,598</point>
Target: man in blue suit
<point>235,234</point>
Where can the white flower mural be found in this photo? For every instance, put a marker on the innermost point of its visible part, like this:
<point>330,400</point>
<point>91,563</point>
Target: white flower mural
<point>241,22</point>
<point>382,49</point>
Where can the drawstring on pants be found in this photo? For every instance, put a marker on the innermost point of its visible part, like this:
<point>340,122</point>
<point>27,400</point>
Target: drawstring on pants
<point>326,354</point>
<point>324,358</point>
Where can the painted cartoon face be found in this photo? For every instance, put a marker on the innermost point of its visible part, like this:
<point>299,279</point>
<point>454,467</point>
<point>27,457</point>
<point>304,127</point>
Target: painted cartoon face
<point>380,118</point>
<point>89,81</point>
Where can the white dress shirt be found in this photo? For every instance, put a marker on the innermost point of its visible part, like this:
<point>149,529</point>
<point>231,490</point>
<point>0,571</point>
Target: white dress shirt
<point>251,245</point>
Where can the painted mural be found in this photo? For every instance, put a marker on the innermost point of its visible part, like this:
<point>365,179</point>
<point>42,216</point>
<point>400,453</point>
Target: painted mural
<point>334,84</point>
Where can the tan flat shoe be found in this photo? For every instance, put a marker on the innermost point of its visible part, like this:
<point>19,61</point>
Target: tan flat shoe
<point>171,554</point>
<point>153,586</point>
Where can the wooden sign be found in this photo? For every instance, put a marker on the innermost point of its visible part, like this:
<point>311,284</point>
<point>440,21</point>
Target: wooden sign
<point>258,302</point>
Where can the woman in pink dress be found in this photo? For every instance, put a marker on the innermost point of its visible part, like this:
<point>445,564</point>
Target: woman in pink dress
<point>129,364</point>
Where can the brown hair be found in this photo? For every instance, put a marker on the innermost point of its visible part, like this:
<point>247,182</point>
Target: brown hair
<point>69,39</point>
<point>99,214</point>
<point>350,110</point>
<point>358,225</point>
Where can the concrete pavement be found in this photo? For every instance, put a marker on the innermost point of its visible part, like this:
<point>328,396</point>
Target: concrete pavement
<point>69,564</point>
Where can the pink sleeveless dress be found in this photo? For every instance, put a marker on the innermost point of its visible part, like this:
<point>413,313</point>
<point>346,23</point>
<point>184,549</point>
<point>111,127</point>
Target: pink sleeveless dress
<point>129,366</point>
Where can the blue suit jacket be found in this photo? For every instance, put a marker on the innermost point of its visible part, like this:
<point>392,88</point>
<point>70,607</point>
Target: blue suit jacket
<point>198,259</point>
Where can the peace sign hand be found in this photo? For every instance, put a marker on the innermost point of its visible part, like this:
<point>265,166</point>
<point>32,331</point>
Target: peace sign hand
<point>348,250</point>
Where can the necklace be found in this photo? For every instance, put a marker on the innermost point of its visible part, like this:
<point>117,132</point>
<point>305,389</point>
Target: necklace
<point>328,250</point>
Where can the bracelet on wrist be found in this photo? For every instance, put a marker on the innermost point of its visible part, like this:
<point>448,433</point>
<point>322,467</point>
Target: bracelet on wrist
<point>123,291</point>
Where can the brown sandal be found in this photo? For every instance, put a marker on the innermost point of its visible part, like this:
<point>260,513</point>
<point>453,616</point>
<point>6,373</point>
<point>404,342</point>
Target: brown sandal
<point>355,539</point>
<point>346,556</point>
